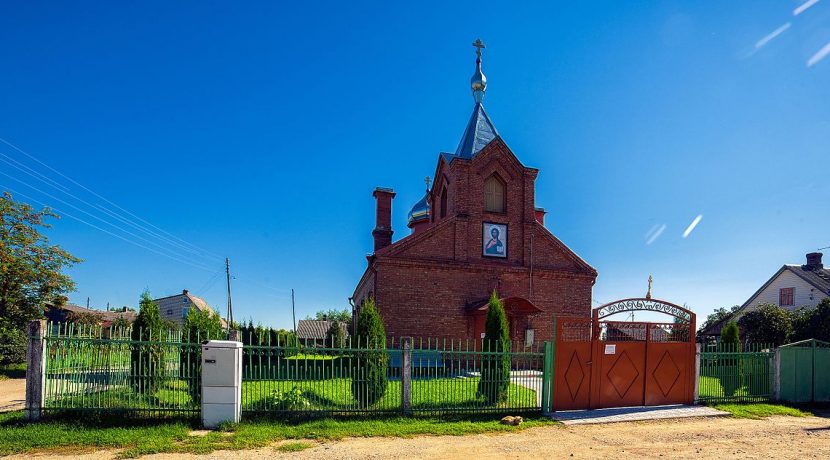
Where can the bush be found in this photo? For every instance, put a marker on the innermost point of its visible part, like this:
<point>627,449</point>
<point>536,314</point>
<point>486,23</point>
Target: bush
<point>12,344</point>
<point>200,325</point>
<point>813,323</point>
<point>495,369</point>
<point>336,335</point>
<point>767,324</point>
<point>291,400</point>
<point>730,378</point>
<point>369,376</point>
<point>147,360</point>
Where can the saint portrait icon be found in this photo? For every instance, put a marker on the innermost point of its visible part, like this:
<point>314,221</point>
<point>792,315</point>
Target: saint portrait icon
<point>494,241</point>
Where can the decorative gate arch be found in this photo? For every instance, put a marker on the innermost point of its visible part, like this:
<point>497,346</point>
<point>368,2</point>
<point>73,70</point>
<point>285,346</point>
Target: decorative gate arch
<point>604,363</point>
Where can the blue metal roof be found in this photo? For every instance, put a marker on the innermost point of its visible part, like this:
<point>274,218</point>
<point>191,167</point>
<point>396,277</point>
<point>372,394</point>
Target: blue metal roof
<point>419,212</point>
<point>480,132</point>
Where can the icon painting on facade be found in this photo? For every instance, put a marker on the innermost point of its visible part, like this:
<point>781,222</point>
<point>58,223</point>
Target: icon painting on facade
<point>494,240</point>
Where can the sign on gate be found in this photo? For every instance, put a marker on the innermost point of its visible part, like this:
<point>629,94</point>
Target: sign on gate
<point>601,363</point>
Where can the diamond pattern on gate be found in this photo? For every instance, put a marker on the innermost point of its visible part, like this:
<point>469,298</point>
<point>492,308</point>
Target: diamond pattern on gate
<point>666,373</point>
<point>623,374</point>
<point>574,376</point>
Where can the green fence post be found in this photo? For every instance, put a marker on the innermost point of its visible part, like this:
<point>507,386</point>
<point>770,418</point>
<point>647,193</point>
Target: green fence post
<point>546,379</point>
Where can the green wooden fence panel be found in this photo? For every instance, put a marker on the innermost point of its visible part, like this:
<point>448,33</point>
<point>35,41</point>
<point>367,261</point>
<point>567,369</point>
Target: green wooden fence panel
<point>821,391</point>
<point>796,374</point>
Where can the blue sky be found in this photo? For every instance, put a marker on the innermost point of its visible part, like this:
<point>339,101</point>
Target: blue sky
<point>259,131</point>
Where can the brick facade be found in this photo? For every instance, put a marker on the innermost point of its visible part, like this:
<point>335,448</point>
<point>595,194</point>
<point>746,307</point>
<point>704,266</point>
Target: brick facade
<point>429,283</point>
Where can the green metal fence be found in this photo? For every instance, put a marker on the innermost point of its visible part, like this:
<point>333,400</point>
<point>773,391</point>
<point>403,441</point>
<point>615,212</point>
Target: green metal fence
<point>805,371</point>
<point>92,368</point>
<point>315,377</point>
<point>736,374</point>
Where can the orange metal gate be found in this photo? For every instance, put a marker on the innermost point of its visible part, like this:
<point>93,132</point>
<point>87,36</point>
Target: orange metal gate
<point>602,363</point>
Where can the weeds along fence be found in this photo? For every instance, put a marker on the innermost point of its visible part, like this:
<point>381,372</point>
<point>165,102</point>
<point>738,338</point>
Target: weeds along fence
<point>430,376</point>
<point>90,368</point>
<point>730,373</point>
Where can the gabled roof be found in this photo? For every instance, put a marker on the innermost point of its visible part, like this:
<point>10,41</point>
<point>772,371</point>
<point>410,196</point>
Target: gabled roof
<point>316,329</point>
<point>819,278</point>
<point>480,131</point>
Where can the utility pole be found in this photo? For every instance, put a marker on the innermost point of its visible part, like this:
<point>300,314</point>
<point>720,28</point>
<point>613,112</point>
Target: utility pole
<point>293,313</point>
<point>230,303</point>
<point>87,303</point>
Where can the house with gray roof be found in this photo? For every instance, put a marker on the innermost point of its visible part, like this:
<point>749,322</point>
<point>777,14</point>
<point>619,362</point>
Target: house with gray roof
<point>175,308</point>
<point>313,330</point>
<point>792,287</point>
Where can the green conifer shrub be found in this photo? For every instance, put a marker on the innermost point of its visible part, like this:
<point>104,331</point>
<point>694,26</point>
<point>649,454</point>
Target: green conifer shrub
<point>369,375</point>
<point>730,342</point>
<point>495,368</point>
<point>147,360</point>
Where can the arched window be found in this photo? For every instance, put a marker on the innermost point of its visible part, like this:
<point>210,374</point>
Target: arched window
<point>444,202</point>
<point>494,194</point>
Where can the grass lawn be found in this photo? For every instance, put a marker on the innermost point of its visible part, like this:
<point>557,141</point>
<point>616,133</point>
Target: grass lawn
<point>142,438</point>
<point>710,387</point>
<point>760,410</point>
<point>326,395</point>
<point>336,394</point>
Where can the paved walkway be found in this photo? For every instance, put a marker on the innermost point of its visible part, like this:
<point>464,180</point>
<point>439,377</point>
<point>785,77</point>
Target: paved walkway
<point>632,414</point>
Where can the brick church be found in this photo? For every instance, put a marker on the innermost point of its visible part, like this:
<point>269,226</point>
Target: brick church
<point>477,229</point>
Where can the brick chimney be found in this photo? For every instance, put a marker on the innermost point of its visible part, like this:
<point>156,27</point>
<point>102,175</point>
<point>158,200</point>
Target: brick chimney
<point>383,217</point>
<point>540,215</point>
<point>814,261</point>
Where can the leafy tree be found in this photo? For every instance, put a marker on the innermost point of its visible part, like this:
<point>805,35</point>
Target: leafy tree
<point>147,360</point>
<point>31,271</point>
<point>200,325</point>
<point>813,323</point>
<point>343,316</point>
<point>336,335</point>
<point>768,324</point>
<point>369,376</point>
<point>718,316</point>
<point>495,369</point>
<point>730,379</point>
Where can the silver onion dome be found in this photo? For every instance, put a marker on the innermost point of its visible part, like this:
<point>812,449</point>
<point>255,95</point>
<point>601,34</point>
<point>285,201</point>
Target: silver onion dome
<point>478,82</point>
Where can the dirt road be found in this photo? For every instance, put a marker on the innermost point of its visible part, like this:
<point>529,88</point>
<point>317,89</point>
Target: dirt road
<point>708,438</point>
<point>12,394</point>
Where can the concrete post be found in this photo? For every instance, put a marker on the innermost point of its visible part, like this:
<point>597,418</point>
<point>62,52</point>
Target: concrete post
<point>406,375</point>
<point>234,335</point>
<point>35,370</point>
<point>697,373</point>
<point>776,380</point>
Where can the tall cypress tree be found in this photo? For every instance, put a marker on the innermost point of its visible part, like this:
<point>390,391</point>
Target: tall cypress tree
<point>495,365</point>
<point>369,375</point>
<point>730,342</point>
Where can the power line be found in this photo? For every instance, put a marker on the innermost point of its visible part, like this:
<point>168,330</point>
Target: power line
<point>107,211</point>
<point>96,217</point>
<point>111,233</point>
<point>193,246</point>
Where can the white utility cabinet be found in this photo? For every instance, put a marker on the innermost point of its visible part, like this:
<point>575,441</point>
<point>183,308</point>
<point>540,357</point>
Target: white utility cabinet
<point>221,382</point>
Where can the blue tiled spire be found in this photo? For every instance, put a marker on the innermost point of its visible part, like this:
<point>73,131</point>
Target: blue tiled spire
<point>480,130</point>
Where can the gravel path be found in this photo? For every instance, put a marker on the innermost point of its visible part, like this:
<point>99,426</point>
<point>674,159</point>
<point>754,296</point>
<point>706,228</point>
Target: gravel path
<point>707,438</point>
<point>12,394</point>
